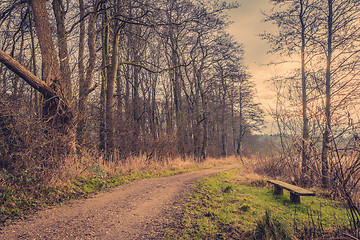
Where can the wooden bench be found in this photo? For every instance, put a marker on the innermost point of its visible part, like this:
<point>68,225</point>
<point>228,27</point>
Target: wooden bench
<point>295,192</point>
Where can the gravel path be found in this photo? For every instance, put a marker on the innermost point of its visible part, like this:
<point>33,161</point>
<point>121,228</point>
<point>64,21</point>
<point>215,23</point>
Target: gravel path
<point>133,211</point>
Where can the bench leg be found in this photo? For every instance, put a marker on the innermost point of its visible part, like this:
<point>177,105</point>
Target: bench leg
<point>294,198</point>
<point>278,190</point>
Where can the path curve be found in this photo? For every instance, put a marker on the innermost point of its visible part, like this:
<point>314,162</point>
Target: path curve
<point>131,211</point>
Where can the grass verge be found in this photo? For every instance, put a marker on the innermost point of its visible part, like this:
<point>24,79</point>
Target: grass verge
<point>226,207</point>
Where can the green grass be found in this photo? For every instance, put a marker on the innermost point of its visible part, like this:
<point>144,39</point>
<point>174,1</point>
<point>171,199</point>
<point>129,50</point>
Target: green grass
<point>220,208</point>
<point>96,184</point>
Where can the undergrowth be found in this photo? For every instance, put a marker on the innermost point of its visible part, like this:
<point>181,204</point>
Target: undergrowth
<point>227,207</point>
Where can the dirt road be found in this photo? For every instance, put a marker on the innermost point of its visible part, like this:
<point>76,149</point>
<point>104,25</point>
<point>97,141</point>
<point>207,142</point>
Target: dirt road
<point>133,211</point>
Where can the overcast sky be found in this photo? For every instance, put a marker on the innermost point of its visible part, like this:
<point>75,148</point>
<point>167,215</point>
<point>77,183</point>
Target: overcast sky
<point>246,29</point>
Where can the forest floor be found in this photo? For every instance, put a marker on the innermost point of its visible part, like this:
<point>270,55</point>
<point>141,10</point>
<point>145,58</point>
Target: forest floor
<point>138,210</point>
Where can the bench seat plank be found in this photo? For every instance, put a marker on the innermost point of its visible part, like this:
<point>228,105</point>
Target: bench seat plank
<point>296,190</point>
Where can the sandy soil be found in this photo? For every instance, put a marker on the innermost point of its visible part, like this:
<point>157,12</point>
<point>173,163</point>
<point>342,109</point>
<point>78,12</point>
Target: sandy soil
<point>134,211</point>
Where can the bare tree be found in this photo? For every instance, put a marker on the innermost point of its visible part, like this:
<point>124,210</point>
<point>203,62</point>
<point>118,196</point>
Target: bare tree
<point>341,57</point>
<point>297,24</point>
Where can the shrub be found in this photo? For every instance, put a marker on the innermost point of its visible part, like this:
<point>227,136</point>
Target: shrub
<point>270,227</point>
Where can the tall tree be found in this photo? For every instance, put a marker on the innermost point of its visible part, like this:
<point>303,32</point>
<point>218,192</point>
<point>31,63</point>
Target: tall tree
<point>338,40</point>
<point>105,37</point>
<point>85,75</point>
<point>50,65</point>
<point>327,127</point>
<point>297,23</point>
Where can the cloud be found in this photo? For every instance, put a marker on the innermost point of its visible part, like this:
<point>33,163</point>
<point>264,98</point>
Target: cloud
<point>246,28</point>
<point>248,25</point>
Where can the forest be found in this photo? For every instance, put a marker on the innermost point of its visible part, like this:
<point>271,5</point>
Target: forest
<point>94,88</point>
<point>126,78</point>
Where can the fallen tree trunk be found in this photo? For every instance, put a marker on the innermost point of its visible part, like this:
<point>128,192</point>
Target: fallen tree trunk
<point>56,110</point>
<point>26,75</point>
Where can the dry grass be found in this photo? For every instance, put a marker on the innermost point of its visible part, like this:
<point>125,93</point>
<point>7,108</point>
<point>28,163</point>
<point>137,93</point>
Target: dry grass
<point>93,164</point>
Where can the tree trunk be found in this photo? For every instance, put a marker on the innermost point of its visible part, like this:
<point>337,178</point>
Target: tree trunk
<point>34,68</point>
<point>223,134</point>
<point>104,78</point>
<point>135,108</point>
<point>305,132</point>
<point>241,124</point>
<point>81,67</point>
<point>85,81</point>
<point>175,76</point>
<point>180,131</point>
<point>63,48</point>
<point>17,91</point>
<point>110,127</point>
<point>153,123</point>
<point>327,127</point>
<point>204,123</point>
<point>135,56</point>
<point>50,64</point>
